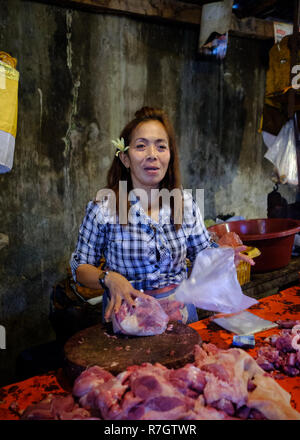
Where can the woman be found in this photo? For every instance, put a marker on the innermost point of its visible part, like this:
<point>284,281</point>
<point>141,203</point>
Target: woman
<point>145,254</point>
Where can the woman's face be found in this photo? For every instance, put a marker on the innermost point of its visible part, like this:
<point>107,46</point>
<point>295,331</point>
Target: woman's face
<point>149,155</point>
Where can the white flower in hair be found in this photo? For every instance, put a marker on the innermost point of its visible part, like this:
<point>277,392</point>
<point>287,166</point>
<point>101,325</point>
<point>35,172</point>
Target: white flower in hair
<point>119,144</point>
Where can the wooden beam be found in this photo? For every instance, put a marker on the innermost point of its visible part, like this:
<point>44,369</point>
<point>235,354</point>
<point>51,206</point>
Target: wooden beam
<point>177,11</point>
<point>252,27</point>
<point>170,10</point>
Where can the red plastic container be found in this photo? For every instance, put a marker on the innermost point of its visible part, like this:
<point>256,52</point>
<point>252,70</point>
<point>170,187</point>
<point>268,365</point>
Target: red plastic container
<point>274,237</point>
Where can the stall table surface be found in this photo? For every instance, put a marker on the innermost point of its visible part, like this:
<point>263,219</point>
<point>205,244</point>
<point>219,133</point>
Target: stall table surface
<point>14,398</point>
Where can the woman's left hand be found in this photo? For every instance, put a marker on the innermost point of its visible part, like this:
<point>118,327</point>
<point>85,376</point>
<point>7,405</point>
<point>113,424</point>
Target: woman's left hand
<point>238,257</point>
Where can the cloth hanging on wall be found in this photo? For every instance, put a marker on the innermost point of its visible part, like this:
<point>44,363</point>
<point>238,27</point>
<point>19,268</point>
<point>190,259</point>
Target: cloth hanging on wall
<point>278,82</point>
<point>9,82</point>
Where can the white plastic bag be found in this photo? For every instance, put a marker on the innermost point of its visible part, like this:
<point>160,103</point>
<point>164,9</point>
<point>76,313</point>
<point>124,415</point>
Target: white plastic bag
<point>282,153</point>
<point>213,283</point>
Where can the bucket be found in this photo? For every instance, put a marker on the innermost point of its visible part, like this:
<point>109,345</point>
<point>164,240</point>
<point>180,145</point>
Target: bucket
<point>274,237</point>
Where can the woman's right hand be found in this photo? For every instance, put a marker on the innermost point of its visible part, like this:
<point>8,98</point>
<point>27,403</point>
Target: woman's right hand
<point>119,289</point>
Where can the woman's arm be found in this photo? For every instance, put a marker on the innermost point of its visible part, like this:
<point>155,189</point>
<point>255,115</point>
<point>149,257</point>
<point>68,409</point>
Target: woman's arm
<point>90,246</point>
<point>88,275</point>
<point>85,260</point>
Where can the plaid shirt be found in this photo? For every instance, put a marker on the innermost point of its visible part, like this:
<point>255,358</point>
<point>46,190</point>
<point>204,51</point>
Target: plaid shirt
<point>149,254</point>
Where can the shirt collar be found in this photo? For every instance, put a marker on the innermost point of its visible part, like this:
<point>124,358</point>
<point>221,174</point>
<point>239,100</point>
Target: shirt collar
<point>137,210</point>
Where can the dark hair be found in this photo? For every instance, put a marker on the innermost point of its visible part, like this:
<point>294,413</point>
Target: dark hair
<point>118,172</point>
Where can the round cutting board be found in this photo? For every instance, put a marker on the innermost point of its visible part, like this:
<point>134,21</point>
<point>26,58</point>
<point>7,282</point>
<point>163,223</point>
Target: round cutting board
<point>98,345</point>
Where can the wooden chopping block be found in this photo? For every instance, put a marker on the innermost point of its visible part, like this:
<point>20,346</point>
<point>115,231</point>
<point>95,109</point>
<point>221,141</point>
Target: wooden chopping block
<point>98,345</point>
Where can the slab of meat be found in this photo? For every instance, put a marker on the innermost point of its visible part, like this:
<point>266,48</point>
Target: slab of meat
<point>202,411</point>
<point>189,380</point>
<point>281,352</point>
<point>147,318</point>
<point>57,408</point>
<point>231,239</point>
<point>253,392</point>
<point>86,386</point>
<point>228,373</point>
<point>271,399</point>
<point>159,398</point>
<point>172,308</point>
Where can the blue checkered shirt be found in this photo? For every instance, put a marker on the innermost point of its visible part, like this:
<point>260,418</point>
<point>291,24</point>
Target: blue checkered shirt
<point>149,254</point>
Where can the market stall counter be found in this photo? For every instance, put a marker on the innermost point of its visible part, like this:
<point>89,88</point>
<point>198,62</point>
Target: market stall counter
<point>284,306</point>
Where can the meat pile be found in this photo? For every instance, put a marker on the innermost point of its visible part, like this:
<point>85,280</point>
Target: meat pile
<point>145,319</point>
<point>57,408</point>
<point>218,385</point>
<point>282,351</point>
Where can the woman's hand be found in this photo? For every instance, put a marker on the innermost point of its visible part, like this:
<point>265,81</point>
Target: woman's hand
<point>119,289</point>
<point>238,257</point>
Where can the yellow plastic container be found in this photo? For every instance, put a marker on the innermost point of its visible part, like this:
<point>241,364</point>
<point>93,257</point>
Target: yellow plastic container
<point>243,269</point>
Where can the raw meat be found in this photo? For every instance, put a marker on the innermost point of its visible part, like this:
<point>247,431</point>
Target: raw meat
<point>159,399</point>
<point>264,397</point>
<point>282,351</point>
<point>172,308</point>
<point>145,319</point>
<point>189,380</point>
<point>141,392</point>
<point>228,373</point>
<point>204,412</point>
<point>86,385</point>
<point>218,385</point>
<point>271,400</point>
<point>287,323</point>
<point>57,408</point>
<point>231,239</point>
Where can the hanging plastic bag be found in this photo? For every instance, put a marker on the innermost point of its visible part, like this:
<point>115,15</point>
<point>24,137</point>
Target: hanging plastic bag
<point>9,81</point>
<point>213,283</point>
<point>282,153</point>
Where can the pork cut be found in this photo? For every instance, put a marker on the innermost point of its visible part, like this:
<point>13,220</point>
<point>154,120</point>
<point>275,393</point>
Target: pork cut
<point>231,239</point>
<point>228,373</point>
<point>271,399</point>
<point>251,388</point>
<point>281,352</point>
<point>147,318</point>
<point>57,408</point>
